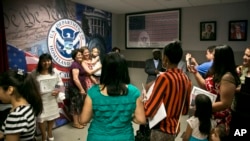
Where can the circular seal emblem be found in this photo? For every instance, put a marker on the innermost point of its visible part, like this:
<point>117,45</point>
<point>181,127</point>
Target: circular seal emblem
<point>64,36</point>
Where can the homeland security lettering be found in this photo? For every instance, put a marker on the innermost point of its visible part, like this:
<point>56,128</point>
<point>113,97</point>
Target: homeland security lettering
<point>59,60</point>
<point>68,22</point>
<point>64,36</point>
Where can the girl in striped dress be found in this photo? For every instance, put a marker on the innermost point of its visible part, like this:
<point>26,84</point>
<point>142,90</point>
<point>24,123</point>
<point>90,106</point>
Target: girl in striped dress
<point>21,90</point>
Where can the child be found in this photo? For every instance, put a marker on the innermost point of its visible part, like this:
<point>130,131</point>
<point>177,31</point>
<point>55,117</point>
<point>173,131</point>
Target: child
<point>218,133</point>
<point>199,126</point>
<point>96,60</point>
<point>21,90</point>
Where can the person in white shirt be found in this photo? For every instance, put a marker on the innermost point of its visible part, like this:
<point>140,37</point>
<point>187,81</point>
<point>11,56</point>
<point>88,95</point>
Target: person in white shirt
<point>95,52</point>
<point>201,124</point>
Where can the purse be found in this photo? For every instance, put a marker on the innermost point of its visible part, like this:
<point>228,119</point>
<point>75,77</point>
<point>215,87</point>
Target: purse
<point>143,134</point>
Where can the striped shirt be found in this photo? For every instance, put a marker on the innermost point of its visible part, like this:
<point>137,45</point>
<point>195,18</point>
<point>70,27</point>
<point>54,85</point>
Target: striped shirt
<point>170,88</point>
<point>21,121</point>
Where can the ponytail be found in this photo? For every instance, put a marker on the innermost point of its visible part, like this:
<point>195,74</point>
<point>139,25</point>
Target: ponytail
<point>30,91</point>
<point>26,86</point>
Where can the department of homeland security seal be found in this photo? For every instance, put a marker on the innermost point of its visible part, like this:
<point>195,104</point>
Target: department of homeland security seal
<point>64,36</point>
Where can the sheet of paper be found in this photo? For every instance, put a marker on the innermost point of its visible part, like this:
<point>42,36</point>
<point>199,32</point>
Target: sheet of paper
<point>197,90</point>
<point>150,90</point>
<point>159,116</point>
<point>47,85</point>
<point>59,88</point>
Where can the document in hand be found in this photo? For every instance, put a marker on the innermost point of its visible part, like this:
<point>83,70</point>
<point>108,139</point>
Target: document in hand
<point>59,88</point>
<point>160,114</point>
<point>197,90</point>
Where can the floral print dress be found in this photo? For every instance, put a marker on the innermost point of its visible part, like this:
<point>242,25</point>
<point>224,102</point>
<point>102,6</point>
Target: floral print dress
<point>221,117</point>
<point>88,81</point>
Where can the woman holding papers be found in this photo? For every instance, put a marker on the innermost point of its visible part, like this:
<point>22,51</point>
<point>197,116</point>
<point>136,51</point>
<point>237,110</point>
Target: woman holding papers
<point>48,79</point>
<point>171,88</point>
<point>222,80</point>
<point>113,104</point>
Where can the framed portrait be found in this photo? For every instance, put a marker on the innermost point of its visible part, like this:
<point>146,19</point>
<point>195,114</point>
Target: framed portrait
<point>208,31</point>
<point>237,30</point>
<point>152,29</point>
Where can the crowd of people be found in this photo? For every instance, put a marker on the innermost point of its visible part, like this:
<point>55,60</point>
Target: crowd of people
<point>100,93</point>
<point>220,77</point>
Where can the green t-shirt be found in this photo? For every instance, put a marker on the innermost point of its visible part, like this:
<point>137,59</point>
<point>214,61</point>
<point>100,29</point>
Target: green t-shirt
<point>112,115</point>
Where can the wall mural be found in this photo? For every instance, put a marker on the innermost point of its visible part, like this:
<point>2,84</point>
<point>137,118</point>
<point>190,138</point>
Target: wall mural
<point>34,27</point>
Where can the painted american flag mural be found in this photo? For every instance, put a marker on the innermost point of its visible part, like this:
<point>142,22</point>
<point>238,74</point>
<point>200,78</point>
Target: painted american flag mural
<point>27,61</point>
<point>20,59</point>
<point>28,39</point>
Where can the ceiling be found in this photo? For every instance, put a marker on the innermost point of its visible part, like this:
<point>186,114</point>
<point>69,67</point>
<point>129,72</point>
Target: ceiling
<point>131,6</point>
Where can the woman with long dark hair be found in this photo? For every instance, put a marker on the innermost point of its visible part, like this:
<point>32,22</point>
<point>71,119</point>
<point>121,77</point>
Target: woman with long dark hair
<point>113,104</point>
<point>48,79</point>
<point>222,80</point>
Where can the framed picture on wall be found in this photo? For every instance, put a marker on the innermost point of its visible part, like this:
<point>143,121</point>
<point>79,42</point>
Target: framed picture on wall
<point>208,31</point>
<point>237,30</point>
<point>152,29</point>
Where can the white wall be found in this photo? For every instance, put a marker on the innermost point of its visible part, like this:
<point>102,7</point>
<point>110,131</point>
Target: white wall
<point>222,14</point>
<point>190,33</point>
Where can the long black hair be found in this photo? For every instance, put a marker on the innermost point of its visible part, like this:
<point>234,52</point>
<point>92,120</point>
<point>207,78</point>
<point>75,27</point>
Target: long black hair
<point>25,86</point>
<point>203,112</point>
<point>115,75</point>
<point>44,57</point>
<point>223,62</point>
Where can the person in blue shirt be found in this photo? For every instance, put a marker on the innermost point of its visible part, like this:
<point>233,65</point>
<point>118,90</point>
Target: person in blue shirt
<point>204,67</point>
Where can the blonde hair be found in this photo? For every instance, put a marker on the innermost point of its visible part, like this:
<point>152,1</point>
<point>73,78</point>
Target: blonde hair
<point>95,48</point>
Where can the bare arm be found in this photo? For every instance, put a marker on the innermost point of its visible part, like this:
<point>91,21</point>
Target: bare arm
<point>227,90</point>
<point>75,73</point>
<point>89,71</point>
<point>139,115</point>
<point>188,133</point>
<point>87,111</point>
<point>95,60</point>
<point>200,80</point>
<point>93,79</point>
<point>1,135</point>
<point>194,62</point>
<point>12,137</point>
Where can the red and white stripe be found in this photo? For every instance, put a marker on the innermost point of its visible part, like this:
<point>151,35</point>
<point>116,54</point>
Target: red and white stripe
<point>31,61</point>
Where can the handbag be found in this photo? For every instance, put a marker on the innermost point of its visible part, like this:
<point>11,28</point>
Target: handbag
<point>143,134</point>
